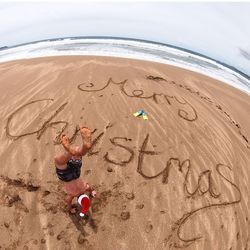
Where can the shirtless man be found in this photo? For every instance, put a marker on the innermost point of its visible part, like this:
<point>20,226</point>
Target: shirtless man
<point>68,167</point>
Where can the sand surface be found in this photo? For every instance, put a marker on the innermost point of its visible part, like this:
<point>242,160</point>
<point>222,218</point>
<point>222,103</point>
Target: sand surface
<point>181,179</point>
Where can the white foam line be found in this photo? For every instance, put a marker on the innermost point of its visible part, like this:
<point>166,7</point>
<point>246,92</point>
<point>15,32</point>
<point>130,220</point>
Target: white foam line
<point>128,49</point>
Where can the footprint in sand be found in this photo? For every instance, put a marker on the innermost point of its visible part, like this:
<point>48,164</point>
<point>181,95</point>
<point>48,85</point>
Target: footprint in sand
<point>7,225</point>
<point>35,242</point>
<point>149,227</point>
<point>125,215</point>
<point>130,196</point>
<point>87,172</point>
<point>43,241</point>
<point>45,193</point>
<point>61,235</point>
<point>83,241</point>
<point>51,232</point>
<point>13,199</point>
<point>139,206</point>
<point>109,169</point>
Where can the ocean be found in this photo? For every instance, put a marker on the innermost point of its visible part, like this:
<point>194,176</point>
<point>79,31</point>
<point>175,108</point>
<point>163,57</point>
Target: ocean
<point>129,48</point>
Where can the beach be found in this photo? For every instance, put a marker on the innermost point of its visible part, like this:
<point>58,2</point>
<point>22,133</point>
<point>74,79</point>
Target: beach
<point>177,180</point>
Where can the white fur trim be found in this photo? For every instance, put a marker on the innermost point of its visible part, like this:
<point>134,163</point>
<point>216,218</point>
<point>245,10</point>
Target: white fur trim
<point>82,215</point>
<point>81,197</point>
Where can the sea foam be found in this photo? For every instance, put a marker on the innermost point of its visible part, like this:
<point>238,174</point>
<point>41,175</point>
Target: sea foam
<point>128,48</point>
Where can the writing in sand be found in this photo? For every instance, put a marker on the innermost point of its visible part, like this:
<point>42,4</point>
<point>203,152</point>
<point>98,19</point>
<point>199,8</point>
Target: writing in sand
<point>185,167</point>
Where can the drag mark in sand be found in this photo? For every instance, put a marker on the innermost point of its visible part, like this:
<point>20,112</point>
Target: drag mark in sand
<point>139,93</point>
<point>203,98</point>
<point>20,183</point>
<point>12,196</point>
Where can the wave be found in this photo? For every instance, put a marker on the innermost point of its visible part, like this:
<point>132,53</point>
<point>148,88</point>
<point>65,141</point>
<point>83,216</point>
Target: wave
<point>129,48</point>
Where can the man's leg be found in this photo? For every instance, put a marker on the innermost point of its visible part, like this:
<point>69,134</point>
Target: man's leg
<point>65,142</point>
<point>63,158</point>
<point>69,199</point>
<point>86,141</point>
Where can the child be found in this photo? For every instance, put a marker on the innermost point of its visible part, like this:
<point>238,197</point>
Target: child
<point>68,167</point>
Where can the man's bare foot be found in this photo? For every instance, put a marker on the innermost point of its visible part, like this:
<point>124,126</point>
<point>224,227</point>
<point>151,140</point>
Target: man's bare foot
<point>85,132</point>
<point>66,144</point>
<point>65,141</point>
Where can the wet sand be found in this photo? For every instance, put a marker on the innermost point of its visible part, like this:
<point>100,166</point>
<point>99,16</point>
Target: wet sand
<point>177,180</point>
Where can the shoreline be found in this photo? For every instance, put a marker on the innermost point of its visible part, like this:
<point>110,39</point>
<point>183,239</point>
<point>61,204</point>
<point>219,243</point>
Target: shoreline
<point>135,40</point>
<point>129,48</point>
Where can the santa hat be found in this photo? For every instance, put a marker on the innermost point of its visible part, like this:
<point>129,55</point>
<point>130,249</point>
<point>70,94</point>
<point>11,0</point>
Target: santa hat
<point>84,201</point>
